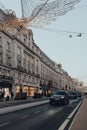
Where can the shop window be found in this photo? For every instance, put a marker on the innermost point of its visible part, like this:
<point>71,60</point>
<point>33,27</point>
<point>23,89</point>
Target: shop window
<point>8,72</point>
<point>31,91</point>
<point>29,78</point>
<point>19,63</point>
<point>4,71</point>
<point>29,44</point>
<point>24,63</point>
<point>28,67</point>
<point>32,48</point>
<point>19,76</point>
<point>17,89</point>
<point>24,41</point>
<point>8,60</point>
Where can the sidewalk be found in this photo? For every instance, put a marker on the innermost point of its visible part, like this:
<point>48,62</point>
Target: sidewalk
<point>19,102</point>
<point>12,106</point>
<point>80,121</point>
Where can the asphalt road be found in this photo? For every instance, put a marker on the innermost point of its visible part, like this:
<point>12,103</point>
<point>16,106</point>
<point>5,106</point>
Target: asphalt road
<point>44,117</point>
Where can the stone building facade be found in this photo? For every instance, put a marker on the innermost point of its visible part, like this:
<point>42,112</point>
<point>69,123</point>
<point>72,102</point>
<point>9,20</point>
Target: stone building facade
<point>25,67</point>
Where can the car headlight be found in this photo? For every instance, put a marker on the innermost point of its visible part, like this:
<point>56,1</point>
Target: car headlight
<point>62,97</point>
<point>51,97</point>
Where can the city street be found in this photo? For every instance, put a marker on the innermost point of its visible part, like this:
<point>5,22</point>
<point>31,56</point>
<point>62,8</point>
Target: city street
<point>43,117</point>
<point>43,66</point>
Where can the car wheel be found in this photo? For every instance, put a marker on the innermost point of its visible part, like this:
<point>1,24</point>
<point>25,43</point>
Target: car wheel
<point>65,102</point>
<point>51,103</point>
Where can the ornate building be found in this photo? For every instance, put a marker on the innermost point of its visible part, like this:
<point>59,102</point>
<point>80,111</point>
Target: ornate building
<point>25,67</point>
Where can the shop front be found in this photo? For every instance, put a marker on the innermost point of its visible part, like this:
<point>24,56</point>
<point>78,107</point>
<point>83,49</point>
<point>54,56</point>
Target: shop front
<point>5,90</point>
<point>29,90</point>
<point>25,89</point>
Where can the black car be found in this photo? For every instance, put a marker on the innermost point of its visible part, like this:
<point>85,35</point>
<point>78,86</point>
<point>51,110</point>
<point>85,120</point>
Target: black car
<point>59,97</point>
<point>73,95</point>
<point>38,95</point>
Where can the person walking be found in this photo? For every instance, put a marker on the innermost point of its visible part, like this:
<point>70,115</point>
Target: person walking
<point>12,95</point>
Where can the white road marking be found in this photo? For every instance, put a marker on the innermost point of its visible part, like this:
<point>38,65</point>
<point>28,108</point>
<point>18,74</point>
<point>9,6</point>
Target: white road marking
<point>25,116</point>
<point>37,112</point>
<point>45,108</point>
<point>5,124</point>
<point>62,127</point>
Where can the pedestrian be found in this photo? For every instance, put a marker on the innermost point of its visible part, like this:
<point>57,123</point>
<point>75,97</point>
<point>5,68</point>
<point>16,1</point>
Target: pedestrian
<point>7,97</point>
<point>2,94</point>
<point>12,95</point>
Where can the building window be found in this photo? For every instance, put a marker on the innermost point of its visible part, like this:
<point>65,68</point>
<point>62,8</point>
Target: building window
<point>19,51</point>
<point>25,54</point>
<point>1,60</point>
<point>1,49</point>
<point>29,78</point>
<point>8,60</point>
<point>0,71</point>
<point>37,50</point>
<point>0,40</point>
<point>8,46</point>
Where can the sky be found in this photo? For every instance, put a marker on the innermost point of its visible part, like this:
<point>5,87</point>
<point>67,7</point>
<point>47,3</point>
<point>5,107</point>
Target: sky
<point>71,52</point>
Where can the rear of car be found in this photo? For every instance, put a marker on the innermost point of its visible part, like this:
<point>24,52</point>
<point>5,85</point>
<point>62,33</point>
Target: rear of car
<point>73,95</point>
<point>59,97</point>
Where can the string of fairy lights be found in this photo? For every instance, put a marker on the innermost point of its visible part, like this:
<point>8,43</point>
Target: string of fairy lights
<point>41,9</point>
<point>70,33</point>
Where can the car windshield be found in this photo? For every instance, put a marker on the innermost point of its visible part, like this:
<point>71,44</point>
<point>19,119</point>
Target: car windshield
<point>59,93</point>
<point>72,93</point>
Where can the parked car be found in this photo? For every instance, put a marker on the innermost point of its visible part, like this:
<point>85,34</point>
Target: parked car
<point>38,95</point>
<point>79,94</point>
<point>73,95</point>
<point>85,94</point>
<point>59,97</point>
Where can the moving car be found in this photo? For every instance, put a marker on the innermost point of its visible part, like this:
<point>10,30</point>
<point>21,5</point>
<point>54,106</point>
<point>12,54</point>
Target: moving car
<point>59,97</point>
<point>73,95</point>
